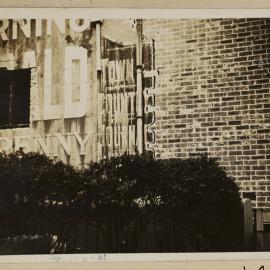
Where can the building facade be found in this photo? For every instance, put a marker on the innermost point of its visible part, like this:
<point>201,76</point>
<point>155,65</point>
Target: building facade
<point>70,90</point>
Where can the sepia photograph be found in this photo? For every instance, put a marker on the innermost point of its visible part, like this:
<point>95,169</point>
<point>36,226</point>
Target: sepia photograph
<point>145,135</point>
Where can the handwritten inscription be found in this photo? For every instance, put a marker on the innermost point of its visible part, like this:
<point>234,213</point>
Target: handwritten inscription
<point>260,268</point>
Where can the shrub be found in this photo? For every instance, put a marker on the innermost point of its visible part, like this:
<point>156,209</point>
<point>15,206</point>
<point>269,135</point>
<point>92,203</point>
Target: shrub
<point>194,196</point>
<point>32,185</point>
<point>181,204</point>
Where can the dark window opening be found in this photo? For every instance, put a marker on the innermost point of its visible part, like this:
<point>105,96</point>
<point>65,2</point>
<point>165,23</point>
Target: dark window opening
<point>266,227</point>
<point>249,195</point>
<point>14,98</point>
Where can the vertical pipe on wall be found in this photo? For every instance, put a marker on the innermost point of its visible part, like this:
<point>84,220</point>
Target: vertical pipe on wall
<point>139,92</point>
<point>98,46</point>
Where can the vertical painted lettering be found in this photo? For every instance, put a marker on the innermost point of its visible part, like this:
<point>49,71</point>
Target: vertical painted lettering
<point>25,26</point>
<point>51,111</point>
<point>75,108</point>
<point>76,26</point>
<point>3,28</point>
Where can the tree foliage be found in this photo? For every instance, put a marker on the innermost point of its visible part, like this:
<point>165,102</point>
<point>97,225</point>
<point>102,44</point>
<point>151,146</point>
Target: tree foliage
<point>122,195</point>
<point>128,184</point>
<point>32,185</point>
<point>195,195</point>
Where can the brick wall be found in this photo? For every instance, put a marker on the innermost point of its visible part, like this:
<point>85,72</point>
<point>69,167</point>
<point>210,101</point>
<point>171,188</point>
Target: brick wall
<point>212,95</point>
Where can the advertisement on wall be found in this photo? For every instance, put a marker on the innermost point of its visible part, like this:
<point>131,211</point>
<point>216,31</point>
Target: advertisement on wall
<point>81,88</point>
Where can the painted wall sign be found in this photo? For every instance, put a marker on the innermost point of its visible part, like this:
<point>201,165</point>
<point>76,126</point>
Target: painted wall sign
<point>49,144</point>
<point>9,28</point>
<point>75,58</point>
<point>117,95</point>
<point>76,113</point>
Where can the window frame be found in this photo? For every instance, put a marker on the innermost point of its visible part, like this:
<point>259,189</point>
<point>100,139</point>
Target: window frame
<point>13,84</point>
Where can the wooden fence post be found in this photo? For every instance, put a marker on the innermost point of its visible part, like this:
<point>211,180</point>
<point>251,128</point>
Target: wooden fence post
<point>259,239</point>
<point>248,225</point>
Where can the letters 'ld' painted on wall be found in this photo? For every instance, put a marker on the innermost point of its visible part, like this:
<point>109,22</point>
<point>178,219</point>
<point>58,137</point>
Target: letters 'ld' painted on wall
<point>76,113</point>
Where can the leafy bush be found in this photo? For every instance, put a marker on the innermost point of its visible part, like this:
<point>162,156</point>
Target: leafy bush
<point>32,185</point>
<point>183,204</point>
<point>194,195</point>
